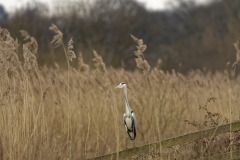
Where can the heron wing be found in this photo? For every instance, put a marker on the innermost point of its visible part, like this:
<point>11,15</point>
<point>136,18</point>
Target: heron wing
<point>131,132</point>
<point>124,117</point>
<point>134,120</point>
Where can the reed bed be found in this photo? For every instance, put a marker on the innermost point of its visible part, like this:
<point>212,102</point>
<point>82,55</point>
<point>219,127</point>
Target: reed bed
<point>51,113</point>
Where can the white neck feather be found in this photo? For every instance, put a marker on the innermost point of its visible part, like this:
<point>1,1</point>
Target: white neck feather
<point>128,109</point>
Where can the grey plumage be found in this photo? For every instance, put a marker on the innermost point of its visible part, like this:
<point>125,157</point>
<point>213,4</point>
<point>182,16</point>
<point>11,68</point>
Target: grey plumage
<point>129,118</point>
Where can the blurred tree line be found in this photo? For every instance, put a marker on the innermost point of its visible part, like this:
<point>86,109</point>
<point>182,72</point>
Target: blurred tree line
<point>187,37</point>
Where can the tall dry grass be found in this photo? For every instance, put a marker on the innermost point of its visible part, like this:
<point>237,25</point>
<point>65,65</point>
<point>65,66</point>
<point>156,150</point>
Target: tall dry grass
<point>50,113</point>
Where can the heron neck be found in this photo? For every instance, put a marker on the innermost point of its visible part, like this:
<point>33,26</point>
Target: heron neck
<point>128,109</point>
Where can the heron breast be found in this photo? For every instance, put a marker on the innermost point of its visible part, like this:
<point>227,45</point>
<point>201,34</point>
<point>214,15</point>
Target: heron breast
<point>129,123</point>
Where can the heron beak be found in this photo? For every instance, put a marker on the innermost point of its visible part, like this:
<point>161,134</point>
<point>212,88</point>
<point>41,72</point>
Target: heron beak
<point>128,87</point>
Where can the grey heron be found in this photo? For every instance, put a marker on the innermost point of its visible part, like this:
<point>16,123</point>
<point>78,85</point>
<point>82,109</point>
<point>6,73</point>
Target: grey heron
<point>129,118</point>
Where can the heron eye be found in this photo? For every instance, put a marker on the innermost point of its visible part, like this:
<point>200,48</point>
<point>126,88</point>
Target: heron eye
<point>122,83</point>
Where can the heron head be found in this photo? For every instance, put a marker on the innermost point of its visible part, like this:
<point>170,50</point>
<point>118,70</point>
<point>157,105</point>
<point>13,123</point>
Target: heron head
<point>122,85</point>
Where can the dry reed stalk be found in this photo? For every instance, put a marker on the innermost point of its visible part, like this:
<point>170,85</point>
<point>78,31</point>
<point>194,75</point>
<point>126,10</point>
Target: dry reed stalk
<point>101,68</point>
<point>30,60</point>
<point>57,39</point>
<point>237,47</point>
<point>85,149</point>
<point>29,54</point>
<point>230,107</point>
<point>143,64</point>
<point>1,149</point>
<point>109,149</point>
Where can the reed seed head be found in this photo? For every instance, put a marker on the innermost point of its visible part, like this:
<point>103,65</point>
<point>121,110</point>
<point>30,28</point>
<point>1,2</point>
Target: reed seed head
<point>70,52</point>
<point>57,39</point>
<point>140,60</point>
<point>99,64</point>
<point>83,68</point>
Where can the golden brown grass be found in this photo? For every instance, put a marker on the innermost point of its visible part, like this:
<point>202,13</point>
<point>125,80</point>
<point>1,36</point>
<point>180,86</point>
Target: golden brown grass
<point>49,113</point>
